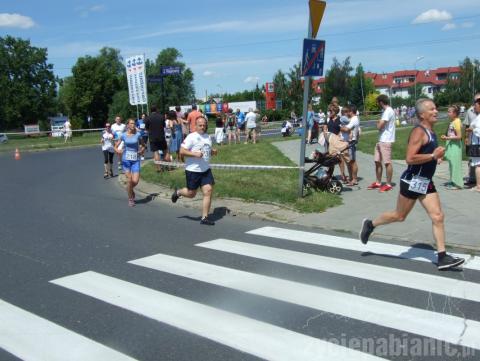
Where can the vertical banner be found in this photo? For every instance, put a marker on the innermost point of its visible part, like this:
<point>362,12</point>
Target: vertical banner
<point>137,86</point>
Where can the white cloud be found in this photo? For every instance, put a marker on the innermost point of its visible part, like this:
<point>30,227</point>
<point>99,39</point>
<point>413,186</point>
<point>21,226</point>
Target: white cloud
<point>208,73</point>
<point>467,24</point>
<point>251,79</point>
<point>16,21</point>
<point>85,11</point>
<point>449,26</point>
<point>432,15</point>
<point>97,8</point>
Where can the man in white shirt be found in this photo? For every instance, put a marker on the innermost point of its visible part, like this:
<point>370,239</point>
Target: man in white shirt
<point>470,116</point>
<point>383,149</point>
<point>117,129</point>
<point>251,121</point>
<point>352,128</point>
<point>67,132</point>
<point>197,148</point>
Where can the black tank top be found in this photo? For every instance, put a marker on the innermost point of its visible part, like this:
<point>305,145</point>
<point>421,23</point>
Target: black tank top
<point>426,170</point>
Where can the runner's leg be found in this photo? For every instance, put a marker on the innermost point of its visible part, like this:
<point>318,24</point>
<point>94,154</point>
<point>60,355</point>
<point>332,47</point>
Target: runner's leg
<point>431,203</point>
<point>207,190</point>
<point>404,206</point>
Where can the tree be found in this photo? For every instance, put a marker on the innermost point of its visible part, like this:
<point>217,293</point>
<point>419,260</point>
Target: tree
<point>337,82</point>
<point>295,89</point>
<point>178,89</point>
<point>371,102</point>
<point>90,89</point>
<point>360,87</point>
<point>27,83</point>
<point>281,86</point>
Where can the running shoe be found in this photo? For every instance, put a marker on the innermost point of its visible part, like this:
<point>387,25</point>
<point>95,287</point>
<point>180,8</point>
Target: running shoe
<point>175,196</point>
<point>366,231</point>
<point>385,188</point>
<point>448,261</point>
<point>207,222</point>
<point>374,185</point>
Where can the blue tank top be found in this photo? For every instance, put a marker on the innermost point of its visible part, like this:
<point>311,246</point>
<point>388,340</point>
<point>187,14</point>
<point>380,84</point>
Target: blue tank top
<point>131,144</point>
<point>426,170</point>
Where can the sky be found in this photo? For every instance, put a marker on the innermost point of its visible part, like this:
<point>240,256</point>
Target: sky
<point>233,45</point>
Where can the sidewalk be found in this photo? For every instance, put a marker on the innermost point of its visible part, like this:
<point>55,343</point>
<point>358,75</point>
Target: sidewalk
<point>460,207</point>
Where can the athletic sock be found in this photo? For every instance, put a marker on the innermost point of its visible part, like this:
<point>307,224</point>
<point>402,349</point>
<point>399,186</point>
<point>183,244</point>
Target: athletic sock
<point>442,254</point>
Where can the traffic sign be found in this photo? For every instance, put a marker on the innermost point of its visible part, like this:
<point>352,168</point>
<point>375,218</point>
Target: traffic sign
<point>313,57</point>
<point>171,70</point>
<point>317,8</point>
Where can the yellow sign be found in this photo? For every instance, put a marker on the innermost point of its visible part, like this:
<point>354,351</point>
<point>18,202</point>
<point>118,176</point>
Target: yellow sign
<point>317,8</point>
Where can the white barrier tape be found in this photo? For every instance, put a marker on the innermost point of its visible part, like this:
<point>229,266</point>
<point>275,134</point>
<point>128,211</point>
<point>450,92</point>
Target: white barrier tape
<point>53,131</point>
<point>230,166</point>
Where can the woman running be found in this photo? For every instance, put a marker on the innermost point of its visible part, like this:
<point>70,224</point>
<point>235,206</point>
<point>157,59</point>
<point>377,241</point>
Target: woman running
<point>130,146</point>
<point>416,183</point>
<point>108,150</point>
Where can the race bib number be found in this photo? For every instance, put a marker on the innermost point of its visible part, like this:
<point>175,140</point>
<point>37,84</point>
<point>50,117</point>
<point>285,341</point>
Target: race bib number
<point>206,151</point>
<point>131,155</point>
<point>142,126</point>
<point>419,184</point>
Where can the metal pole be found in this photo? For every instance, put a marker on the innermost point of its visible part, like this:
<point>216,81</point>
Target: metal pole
<point>363,95</point>
<point>137,111</point>
<point>163,96</point>
<point>306,91</point>
<point>148,108</point>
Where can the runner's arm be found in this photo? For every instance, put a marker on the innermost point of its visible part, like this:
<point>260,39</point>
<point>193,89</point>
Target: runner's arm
<point>417,139</point>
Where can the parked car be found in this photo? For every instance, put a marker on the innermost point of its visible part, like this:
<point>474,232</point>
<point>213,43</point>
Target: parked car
<point>3,138</point>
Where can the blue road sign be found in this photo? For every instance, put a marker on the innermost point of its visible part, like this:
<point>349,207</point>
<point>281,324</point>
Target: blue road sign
<point>313,56</point>
<point>171,70</point>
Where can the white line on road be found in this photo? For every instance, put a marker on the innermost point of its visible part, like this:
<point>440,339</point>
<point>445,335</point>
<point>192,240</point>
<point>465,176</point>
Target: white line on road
<point>420,281</point>
<point>31,337</point>
<point>351,244</point>
<point>440,326</point>
<point>254,337</point>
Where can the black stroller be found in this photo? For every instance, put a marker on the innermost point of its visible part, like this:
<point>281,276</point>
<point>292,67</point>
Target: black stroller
<point>320,176</point>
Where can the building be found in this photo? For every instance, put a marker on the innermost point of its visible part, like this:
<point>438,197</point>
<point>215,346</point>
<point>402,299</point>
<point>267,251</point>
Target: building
<point>398,83</point>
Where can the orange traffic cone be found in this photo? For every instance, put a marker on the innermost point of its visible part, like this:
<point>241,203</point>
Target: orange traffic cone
<point>17,154</point>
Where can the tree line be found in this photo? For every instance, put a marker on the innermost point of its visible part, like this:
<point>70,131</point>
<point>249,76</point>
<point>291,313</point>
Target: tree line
<point>97,88</point>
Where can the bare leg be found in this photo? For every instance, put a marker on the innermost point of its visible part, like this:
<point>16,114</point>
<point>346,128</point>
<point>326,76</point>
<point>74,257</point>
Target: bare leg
<point>404,206</point>
<point>187,193</point>
<point>254,136</point>
<point>431,203</point>
<point>207,190</point>
<point>477,174</point>
<point>378,171</point>
<point>309,136</point>
<point>129,185</point>
<point>389,171</point>
<point>156,157</point>
<point>354,167</point>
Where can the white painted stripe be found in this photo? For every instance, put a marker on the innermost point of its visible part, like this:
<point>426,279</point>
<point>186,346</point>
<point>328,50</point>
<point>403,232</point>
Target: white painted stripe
<point>352,244</point>
<point>419,281</point>
<point>443,327</point>
<point>31,337</point>
<point>254,337</point>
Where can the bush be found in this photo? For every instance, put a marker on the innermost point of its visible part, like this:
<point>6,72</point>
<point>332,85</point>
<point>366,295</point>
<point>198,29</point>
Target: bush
<point>276,115</point>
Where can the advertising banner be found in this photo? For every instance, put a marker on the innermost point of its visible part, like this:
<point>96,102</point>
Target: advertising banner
<point>32,129</point>
<point>137,85</point>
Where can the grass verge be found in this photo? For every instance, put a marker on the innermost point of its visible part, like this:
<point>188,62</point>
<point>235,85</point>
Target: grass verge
<point>276,186</point>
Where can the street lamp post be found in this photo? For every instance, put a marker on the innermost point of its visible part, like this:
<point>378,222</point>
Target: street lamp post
<point>415,81</point>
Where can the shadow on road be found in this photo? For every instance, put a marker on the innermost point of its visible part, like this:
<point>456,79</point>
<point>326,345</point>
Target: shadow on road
<point>218,213</point>
<point>147,199</point>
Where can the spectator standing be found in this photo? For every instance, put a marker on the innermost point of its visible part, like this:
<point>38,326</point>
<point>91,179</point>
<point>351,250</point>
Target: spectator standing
<point>177,137</point>
<point>197,148</point>
<point>219,128</point>
<point>232,127</point>
<point>474,143</point>
<point>470,116</point>
<point>143,132</point>
<point>453,151</point>
<point>251,122</point>
<point>155,125</point>
<point>352,128</point>
<point>383,149</point>
<point>310,124</point>
<point>240,123</point>
<point>117,129</point>
<point>67,130</point>
<point>192,117</point>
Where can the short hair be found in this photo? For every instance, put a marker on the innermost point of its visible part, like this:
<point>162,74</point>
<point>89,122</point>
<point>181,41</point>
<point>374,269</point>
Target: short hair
<point>171,115</point>
<point>153,109</point>
<point>178,108</point>
<point>353,108</point>
<point>382,98</point>
<point>420,106</point>
<point>194,107</point>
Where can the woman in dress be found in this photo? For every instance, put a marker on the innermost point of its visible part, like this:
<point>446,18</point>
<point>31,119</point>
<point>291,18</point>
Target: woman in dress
<point>453,150</point>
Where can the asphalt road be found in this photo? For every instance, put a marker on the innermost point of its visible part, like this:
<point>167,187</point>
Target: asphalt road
<point>62,222</point>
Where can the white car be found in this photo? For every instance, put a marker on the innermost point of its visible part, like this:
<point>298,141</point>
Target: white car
<point>3,138</point>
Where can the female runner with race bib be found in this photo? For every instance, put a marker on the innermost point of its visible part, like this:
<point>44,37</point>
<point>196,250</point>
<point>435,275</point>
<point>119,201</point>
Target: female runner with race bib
<point>130,146</point>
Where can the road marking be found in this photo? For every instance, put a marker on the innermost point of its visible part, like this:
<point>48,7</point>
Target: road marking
<point>254,337</point>
<point>351,244</point>
<point>420,281</point>
<point>440,326</point>
<point>31,337</point>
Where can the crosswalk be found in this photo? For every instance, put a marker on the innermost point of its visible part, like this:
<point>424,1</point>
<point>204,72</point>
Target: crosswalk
<point>31,337</point>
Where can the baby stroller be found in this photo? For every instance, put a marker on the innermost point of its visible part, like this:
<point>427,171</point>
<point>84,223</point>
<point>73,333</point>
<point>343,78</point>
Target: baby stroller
<point>320,176</point>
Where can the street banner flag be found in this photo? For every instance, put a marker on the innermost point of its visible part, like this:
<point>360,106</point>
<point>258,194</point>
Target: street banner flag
<point>317,8</point>
<point>137,85</point>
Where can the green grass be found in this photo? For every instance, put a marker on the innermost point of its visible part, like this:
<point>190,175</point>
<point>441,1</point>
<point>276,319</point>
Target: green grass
<point>367,141</point>
<point>275,186</point>
<point>44,142</point>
